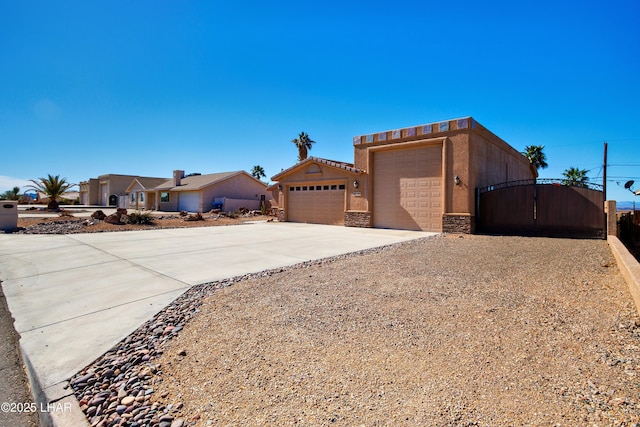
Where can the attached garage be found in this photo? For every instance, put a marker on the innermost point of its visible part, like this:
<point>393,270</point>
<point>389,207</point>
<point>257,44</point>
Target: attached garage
<point>420,177</point>
<point>317,203</point>
<point>407,190</point>
<point>318,191</point>
<point>189,201</point>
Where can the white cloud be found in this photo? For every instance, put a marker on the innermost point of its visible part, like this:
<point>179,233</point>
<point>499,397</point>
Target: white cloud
<point>7,183</point>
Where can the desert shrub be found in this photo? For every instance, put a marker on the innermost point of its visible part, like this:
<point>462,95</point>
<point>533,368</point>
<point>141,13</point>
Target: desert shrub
<point>139,217</point>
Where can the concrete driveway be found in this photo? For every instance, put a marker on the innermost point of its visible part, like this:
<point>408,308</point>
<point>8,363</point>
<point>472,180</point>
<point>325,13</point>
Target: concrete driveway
<point>75,296</point>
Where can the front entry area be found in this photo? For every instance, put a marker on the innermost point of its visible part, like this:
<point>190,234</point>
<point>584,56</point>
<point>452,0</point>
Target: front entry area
<point>317,203</point>
<point>408,188</point>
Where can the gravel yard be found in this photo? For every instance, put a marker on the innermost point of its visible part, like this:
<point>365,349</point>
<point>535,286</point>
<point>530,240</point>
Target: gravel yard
<point>68,224</point>
<point>452,330</point>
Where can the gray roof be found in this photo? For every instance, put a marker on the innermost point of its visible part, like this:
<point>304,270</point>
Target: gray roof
<point>198,182</point>
<point>148,183</point>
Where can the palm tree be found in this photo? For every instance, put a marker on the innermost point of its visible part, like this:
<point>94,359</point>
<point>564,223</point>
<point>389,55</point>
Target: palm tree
<point>258,172</point>
<point>575,177</point>
<point>304,145</point>
<point>535,155</point>
<point>11,194</point>
<point>53,186</point>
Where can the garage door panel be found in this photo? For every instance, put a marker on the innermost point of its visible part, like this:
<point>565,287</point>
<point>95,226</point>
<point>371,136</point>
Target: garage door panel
<point>189,202</point>
<point>322,205</point>
<point>407,188</point>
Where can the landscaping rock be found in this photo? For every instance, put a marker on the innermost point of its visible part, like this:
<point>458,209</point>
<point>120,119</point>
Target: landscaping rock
<point>116,217</point>
<point>99,215</point>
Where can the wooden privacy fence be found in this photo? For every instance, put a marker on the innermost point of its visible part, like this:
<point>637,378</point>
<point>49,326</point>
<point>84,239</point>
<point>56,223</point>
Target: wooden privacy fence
<point>629,228</point>
<point>541,208</point>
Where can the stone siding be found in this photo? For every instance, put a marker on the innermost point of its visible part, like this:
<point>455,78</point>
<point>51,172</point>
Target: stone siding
<point>357,219</point>
<point>458,223</point>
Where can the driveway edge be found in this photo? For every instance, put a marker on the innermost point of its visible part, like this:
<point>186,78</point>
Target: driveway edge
<point>57,405</point>
<point>629,267</point>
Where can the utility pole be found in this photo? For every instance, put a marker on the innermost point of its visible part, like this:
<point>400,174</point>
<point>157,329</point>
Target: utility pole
<point>604,187</point>
<point>604,173</point>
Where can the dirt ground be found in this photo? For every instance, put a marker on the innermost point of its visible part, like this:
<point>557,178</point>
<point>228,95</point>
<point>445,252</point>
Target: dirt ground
<point>169,221</point>
<point>448,331</point>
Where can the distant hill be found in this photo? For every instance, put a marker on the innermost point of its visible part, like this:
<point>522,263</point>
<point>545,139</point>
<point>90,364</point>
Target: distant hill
<point>627,206</point>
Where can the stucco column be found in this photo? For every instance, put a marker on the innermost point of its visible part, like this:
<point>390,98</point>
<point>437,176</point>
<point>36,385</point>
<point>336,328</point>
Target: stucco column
<point>612,217</point>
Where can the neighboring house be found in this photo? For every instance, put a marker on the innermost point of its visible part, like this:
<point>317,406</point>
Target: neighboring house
<point>107,190</point>
<point>40,197</point>
<point>136,192</point>
<point>417,178</point>
<point>198,193</point>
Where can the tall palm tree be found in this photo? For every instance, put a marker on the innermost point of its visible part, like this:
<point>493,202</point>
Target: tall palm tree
<point>53,186</point>
<point>11,194</point>
<point>258,172</point>
<point>576,177</point>
<point>535,155</point>
<point>303,142</point>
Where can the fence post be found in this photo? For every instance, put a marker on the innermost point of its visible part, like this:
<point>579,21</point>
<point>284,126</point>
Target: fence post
<point>610,212</point>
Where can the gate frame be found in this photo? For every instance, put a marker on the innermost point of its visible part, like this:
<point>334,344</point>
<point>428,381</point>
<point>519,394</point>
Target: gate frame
<point>534,182</point>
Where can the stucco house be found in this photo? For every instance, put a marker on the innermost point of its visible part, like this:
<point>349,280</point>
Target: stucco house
<point>136,192</point>
<point>107,190</point>
<point>198,193</point>
<point>417,178</point>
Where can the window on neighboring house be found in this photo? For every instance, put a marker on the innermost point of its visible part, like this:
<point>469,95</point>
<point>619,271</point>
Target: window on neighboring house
<point>142,197</point>
<point>133,197</point>
<point>164,197</point>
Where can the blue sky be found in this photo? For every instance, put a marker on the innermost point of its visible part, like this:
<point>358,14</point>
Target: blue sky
<point>146,87</point>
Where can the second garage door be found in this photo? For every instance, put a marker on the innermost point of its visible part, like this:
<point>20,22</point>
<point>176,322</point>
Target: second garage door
<point>408,189</point>
<point>317,203</point>
<point>189,201</point>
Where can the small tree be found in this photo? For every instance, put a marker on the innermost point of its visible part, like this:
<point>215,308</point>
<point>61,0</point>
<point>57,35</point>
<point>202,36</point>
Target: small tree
<point>258,172</point>
<point>52,186</point>
<point>11,194</point>
<point>303,143</point>
<point>575,177</point>
<point>536,156</point>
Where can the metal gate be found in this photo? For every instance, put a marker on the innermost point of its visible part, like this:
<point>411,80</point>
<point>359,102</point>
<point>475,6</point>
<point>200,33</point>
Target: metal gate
<point>543,207</point>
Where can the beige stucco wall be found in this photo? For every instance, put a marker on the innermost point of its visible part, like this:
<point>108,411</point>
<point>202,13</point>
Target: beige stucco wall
<point>171,205</point>
<point>90,192</point>
<point>469,151</point>
<point>117,184</point>
<point>237,187</point>
<point>493,161</point>
<point>325,174</point>
<point>139,192</point>
<point>474,154</point>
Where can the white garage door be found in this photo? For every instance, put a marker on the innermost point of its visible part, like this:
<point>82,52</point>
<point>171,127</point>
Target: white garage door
<point>316,203</point>
<point>104,200</point>
<point>189,201</point>
<point>408,189</point>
